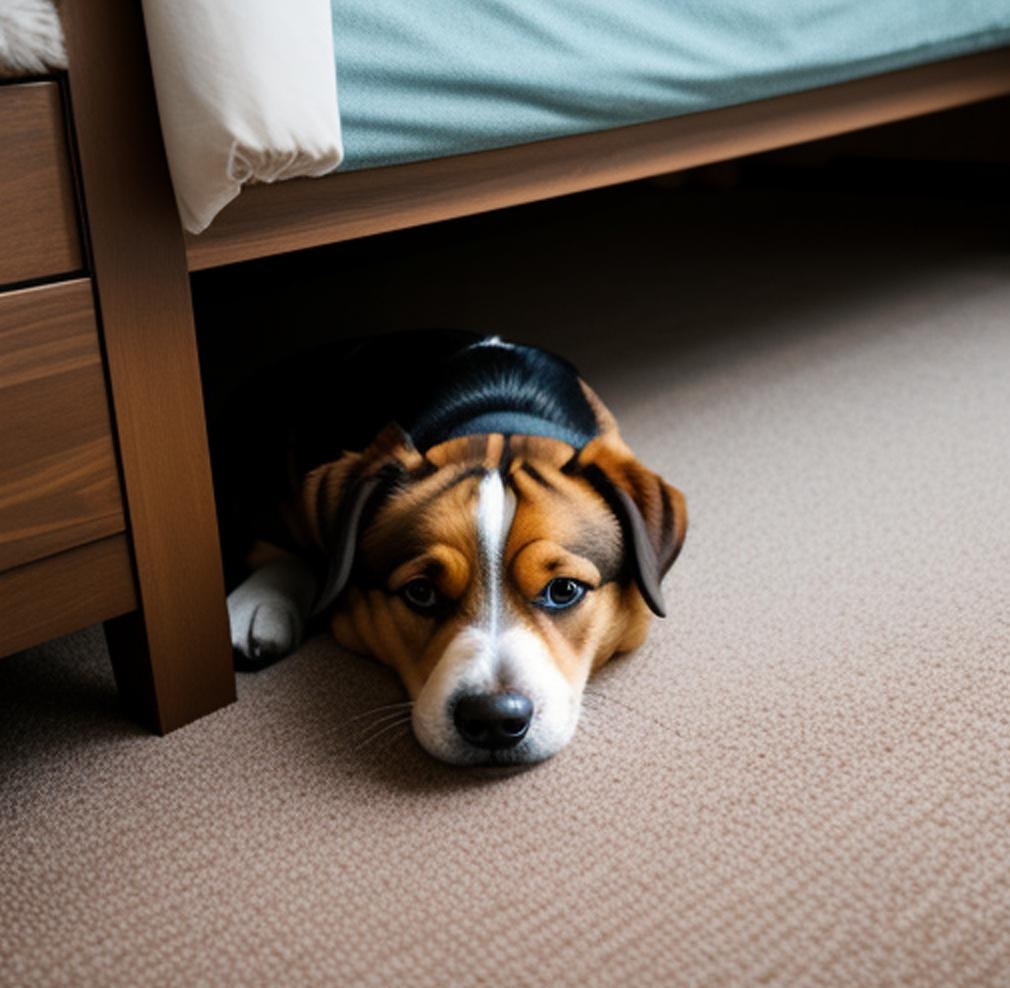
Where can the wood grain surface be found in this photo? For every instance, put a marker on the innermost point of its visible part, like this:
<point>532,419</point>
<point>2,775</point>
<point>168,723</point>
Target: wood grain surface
<point>59,485</point>
<point>176,664</point>
<point>37,209</point>
<point>272,219</point>
<point>65,592</point>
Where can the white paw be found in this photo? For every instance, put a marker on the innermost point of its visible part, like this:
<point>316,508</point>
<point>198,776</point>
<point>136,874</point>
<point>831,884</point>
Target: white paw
<point>265,626</point>
<point>268,611</point>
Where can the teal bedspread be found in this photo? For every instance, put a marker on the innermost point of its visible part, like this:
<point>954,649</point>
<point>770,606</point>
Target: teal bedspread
<point>428,78</point>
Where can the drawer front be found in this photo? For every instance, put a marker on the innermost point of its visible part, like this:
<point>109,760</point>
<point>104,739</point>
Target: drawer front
<point>65,592</point>
<point>37,209</point>
<point>59,486</point>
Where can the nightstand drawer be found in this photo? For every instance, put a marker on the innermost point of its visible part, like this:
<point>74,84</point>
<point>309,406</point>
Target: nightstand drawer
<point>59,485</point>
<point>38,214</point>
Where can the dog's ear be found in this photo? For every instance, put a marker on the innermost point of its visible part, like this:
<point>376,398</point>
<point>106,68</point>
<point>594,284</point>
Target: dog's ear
<point>651,512</point>
<point>337,495</point>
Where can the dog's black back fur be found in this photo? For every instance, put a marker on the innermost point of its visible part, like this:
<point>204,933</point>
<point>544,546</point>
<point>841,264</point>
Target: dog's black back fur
<point>489,386</point>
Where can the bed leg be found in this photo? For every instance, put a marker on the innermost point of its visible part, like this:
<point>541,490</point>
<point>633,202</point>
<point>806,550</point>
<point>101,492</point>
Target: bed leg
<point>173,658</point>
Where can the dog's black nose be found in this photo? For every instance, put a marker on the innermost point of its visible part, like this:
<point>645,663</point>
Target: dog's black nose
<point>493,720</point>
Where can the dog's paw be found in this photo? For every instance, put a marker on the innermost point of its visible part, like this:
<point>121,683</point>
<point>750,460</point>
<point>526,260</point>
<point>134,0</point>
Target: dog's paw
<point>264,627</point>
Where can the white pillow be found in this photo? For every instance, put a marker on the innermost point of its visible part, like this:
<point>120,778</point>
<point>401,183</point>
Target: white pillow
<point>246,91</point>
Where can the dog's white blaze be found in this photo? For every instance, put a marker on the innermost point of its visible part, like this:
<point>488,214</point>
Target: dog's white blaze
<point>496,653</point>
<point>495,510</point>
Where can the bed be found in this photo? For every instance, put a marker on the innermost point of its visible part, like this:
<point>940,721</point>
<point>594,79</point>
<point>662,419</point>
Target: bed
<point>392,134</point>
<point>448,108</point>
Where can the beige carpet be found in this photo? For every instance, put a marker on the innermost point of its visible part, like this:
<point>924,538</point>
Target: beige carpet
<point>802,779</point>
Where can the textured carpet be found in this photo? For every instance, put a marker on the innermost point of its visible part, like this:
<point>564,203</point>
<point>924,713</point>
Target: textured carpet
<point>802,779</point>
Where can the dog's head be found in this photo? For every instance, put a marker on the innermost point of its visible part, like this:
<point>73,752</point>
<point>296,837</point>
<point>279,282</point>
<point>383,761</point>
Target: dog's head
<point>495,574</point>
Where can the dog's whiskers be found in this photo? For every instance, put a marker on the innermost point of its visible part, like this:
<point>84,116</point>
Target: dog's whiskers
<point>380,709</point>
<point>373,737</point>
<point>365,721</point>
<point>392,740</point>
<point>376,718</point>
<point>363,731</point>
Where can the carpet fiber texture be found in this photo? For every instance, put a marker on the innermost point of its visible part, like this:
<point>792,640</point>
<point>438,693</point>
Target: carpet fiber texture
<point>803,778</point>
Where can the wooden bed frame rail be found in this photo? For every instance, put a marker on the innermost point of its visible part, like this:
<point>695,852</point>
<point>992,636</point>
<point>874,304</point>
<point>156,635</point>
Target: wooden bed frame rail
<point>302,213</point>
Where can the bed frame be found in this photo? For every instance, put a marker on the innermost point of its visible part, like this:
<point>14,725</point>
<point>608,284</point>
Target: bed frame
<point>302,213</point>
<point>172,654</point>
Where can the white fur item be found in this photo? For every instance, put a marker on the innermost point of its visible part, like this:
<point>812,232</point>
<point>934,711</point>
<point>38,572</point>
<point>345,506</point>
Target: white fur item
<point>31,37</point>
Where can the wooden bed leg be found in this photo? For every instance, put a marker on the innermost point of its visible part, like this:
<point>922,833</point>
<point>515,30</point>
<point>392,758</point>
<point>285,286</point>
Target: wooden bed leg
<point>172,660</point>
<point>133,667</point>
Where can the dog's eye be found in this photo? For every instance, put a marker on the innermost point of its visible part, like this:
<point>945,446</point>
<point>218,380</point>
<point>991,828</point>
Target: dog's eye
<point>420,594</point>
<point>561,593</point>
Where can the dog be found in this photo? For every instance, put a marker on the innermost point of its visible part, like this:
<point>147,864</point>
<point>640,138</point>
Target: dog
<point>460,508</point>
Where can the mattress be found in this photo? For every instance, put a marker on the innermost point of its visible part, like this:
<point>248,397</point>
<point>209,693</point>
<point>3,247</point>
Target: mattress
<point>443,77</point>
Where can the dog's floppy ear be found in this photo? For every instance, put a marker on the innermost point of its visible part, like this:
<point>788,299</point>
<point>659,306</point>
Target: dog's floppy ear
<point>652,513</point>
<point>336,496</point>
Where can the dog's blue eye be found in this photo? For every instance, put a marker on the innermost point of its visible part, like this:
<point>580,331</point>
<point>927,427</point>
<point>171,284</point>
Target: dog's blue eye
<point>420,594</point>
<point>561,593</point>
